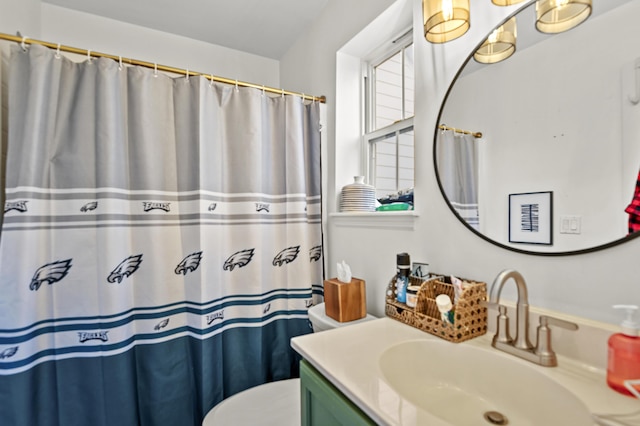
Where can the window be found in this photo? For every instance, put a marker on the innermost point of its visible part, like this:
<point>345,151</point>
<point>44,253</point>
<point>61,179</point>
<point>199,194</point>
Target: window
<point>393,88</point>
<point>391,158</point>
<point>389,105</point>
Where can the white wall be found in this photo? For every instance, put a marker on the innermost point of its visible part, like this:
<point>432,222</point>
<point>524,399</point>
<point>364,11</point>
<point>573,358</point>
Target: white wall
<point>86,31</point>
<point>20,15</point>
<point>583,285</point>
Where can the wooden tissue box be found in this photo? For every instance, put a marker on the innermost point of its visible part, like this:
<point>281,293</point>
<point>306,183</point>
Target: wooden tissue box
<point>345,302</point>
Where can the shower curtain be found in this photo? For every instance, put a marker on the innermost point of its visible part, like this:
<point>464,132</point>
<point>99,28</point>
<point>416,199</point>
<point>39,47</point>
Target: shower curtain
<point>457,156</point>
<point>161,242</point>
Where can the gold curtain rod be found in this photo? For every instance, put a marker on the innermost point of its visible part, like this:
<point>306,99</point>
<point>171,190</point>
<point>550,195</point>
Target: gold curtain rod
<point>158,67</point>
<point>466,132</point>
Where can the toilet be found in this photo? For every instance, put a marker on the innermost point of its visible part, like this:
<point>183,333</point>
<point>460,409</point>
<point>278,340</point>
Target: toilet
<point>275,403</point>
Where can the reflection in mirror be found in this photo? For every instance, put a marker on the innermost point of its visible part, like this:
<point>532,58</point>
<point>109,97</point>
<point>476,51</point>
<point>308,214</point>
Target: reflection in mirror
<point>559,116</point>
<point>500,44</point>
<point>556,16</point>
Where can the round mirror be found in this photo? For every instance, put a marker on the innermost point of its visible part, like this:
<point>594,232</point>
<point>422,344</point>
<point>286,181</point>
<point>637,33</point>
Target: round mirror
<point>539,153</point>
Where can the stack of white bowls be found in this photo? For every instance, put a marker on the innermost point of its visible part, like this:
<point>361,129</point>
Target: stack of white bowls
<point>358,196</point>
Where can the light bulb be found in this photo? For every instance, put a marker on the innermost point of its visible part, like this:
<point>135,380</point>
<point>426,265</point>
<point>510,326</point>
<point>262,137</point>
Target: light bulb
<point>493,37</point>
<point>447,9</point>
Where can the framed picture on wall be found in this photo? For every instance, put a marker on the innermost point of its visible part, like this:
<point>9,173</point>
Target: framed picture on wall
<point>531,218</point>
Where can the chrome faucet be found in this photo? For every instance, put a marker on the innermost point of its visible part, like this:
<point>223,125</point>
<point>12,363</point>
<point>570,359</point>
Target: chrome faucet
<point>542,353</point>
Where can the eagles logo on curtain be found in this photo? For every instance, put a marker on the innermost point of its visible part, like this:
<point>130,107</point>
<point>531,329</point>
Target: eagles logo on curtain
<point>50,273</point>
<point>189,263</point>
<point>125,269</point>
<point>89,206</point>
<point>287,255</point>
<point>240,259</point>
<point>19,206</point>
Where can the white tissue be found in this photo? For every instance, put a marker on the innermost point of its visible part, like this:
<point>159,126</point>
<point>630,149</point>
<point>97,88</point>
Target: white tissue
<point>457,288</point>
<point>344,272</point>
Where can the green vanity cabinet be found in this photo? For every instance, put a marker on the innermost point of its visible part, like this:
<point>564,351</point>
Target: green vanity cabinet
<point>322,404</point>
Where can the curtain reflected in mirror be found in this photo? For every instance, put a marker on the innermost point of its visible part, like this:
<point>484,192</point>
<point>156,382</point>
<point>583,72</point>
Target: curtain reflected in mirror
<point>457,155</point>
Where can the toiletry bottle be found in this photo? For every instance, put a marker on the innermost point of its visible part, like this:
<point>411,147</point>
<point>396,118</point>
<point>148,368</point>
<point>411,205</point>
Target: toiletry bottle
<point>403,264</point>
<point>624,353</point>
<point>443,302</point>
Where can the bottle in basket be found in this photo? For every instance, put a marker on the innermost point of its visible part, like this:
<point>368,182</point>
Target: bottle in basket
<point>403,264</point>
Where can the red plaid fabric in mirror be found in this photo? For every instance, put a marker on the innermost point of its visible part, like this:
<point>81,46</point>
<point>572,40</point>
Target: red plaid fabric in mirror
<point>633,209</point>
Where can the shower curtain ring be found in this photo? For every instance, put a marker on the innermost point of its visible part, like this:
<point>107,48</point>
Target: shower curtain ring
<point>119,62</point>
<point>22,43</point>
<point>155,69</point>
<point>89,55</point>
<point>236,85</point>
<point>58,52</point>
<point>282,93</point>
<point>210,80</point>
<point>187,75</point>
<point>302,98</point>
<point>263,90</point>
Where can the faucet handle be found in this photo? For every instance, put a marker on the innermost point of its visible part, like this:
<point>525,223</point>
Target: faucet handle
<point>547,320</point>
<point>543,348</point>
<point>502,326</point>
<point>502,322</point>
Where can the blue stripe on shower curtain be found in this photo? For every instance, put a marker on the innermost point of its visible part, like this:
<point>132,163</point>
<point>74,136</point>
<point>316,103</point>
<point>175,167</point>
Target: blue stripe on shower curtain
<point>161,242</point>
<point>170,380</point>
<point>111,333</point>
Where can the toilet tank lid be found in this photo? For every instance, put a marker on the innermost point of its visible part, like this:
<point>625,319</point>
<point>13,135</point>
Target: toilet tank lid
<point>318,313</point>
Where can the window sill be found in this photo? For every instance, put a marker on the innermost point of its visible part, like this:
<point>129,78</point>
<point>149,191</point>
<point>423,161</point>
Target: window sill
<point>383,220</point>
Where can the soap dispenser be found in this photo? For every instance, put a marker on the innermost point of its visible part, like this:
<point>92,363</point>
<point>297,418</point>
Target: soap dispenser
<point>624,353</point>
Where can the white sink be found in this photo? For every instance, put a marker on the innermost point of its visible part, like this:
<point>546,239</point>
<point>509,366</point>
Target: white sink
<point>460,383</point>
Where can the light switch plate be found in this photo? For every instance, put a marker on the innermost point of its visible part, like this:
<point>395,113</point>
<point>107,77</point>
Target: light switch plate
<point>570,224</point>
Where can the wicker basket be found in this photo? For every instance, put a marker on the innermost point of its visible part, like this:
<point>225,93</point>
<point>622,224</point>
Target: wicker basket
<point>470,316</point>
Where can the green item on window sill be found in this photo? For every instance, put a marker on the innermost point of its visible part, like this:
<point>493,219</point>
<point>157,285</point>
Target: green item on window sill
<point>394,207</point>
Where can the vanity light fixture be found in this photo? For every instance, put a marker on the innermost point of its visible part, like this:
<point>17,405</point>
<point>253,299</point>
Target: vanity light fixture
<point>556,16</point>
<point>445,20</point>
<point>500,44</point>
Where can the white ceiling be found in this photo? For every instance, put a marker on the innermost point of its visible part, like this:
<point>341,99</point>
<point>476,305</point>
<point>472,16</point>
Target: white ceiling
<point>262,27</point>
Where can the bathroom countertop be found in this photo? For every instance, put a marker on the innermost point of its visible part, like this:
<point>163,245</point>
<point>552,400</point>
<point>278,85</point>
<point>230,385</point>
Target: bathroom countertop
<point>349,358</point>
